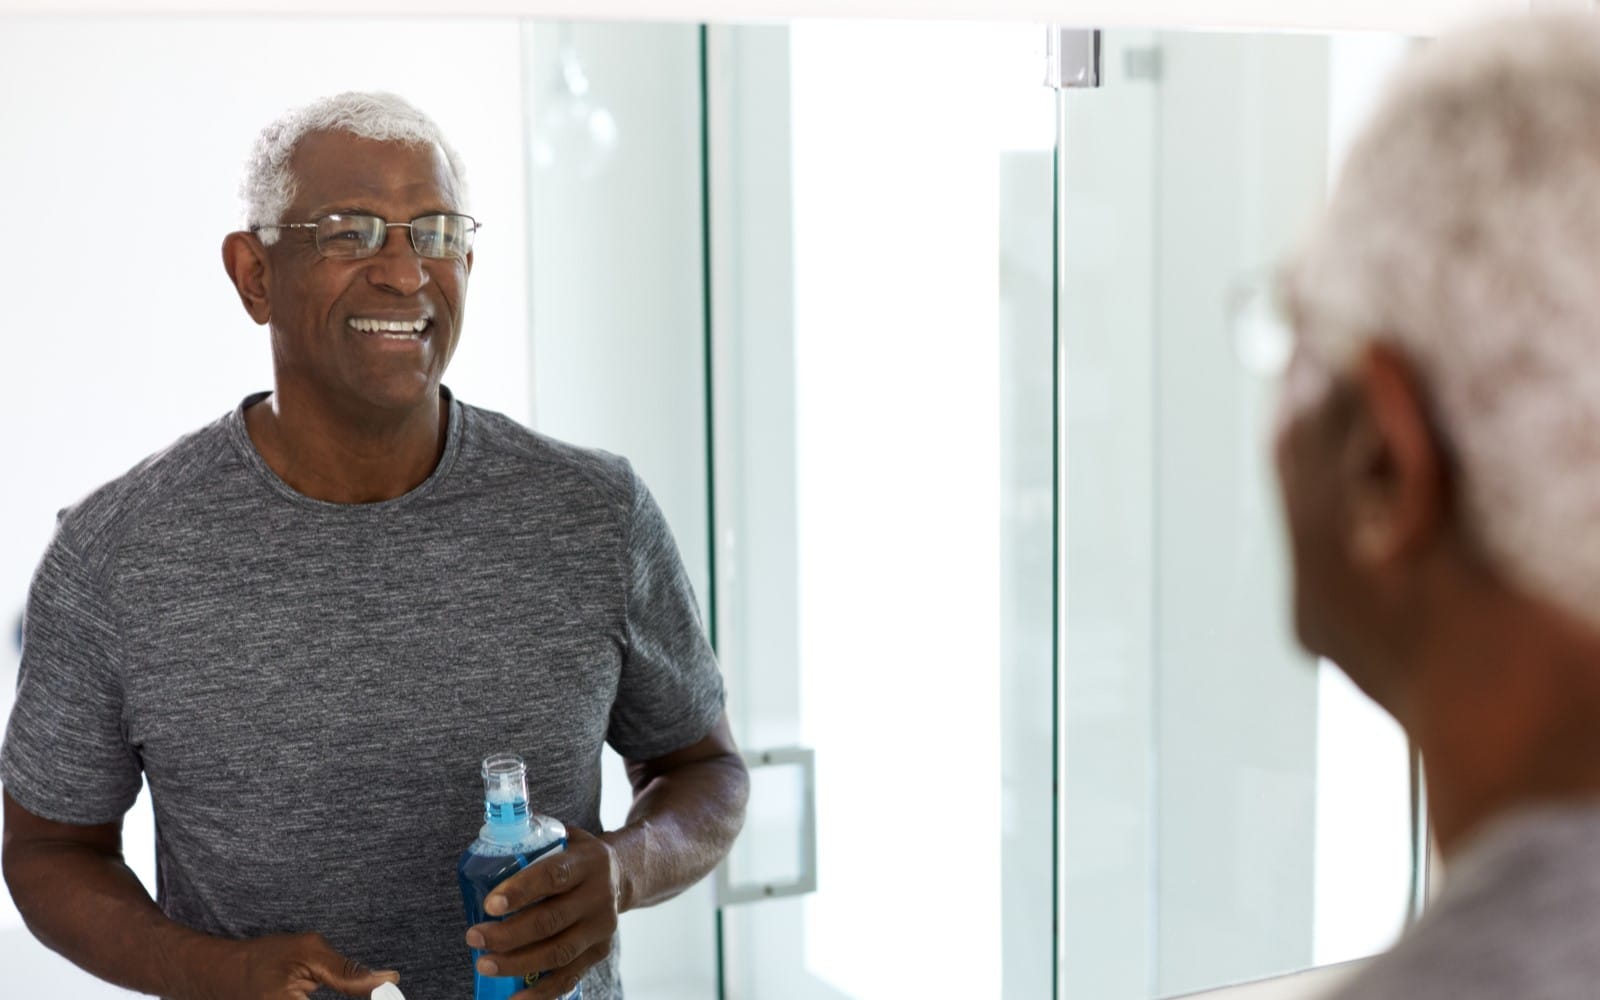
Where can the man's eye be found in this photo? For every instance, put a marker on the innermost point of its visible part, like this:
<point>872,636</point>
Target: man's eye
<point>353,235</point>
<point>438,243</point>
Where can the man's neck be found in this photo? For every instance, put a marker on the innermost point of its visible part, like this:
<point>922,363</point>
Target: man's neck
<point>1506,714</point>
<point>346,457</point>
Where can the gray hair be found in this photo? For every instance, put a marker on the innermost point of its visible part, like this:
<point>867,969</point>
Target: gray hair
<point>1465,230</point>
<point>269,183</point>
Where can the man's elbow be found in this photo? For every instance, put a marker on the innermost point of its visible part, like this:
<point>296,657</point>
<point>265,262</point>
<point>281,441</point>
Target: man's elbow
<point>738,792</point>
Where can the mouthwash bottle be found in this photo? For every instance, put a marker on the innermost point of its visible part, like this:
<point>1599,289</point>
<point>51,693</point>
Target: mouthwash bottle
<point>511,839</point>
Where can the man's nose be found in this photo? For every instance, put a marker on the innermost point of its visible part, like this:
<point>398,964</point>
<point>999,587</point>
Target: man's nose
<point>397,267</point>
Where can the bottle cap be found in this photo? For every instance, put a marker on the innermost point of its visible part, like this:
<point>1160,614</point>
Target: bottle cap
<point>388,991</point>
<point>505,790</point>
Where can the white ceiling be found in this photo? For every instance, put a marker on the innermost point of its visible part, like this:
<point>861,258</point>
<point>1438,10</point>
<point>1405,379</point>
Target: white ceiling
<point>1413,16</point>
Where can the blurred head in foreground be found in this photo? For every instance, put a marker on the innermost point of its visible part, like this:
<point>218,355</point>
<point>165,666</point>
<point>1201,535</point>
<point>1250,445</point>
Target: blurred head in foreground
<point>1438,440</point>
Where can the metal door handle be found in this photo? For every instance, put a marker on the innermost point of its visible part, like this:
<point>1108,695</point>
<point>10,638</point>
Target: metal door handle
<point>732,894</point>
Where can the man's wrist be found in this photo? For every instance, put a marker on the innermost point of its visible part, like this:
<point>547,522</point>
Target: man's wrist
<point>621,843</point>
<point>193,964</point>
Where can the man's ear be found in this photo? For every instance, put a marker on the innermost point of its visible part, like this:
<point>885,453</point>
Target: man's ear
<point>1394,462</point>
<point>246,262</point>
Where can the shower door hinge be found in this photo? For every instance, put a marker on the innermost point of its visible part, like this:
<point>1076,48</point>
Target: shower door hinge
<point>1072,58</point>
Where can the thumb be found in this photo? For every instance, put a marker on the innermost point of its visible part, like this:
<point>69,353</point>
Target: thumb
<point>345,975</point>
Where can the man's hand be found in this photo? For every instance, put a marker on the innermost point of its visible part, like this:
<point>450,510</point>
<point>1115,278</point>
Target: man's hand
<point>292,967</point>
<point>563,915</point>
<point>80,899</point>
<point>687,807</point>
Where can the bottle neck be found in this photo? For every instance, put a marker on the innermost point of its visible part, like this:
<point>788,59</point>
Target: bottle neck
<point>505,797</point>
<point>505,819</point>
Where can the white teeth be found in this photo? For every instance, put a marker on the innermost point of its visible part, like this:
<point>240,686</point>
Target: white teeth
<point>401,326</point>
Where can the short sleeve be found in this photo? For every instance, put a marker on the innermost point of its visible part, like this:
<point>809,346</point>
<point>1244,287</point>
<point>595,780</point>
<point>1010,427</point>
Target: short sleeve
<point>670,693</point>
<point>65,756</point>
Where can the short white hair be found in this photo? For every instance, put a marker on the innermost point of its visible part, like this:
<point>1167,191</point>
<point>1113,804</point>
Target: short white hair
<point>269,183</point>
<point>1465,230</point>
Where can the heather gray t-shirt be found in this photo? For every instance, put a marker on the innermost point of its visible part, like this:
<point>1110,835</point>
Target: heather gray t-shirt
<point>310,688</point>
<point>1518,919</point>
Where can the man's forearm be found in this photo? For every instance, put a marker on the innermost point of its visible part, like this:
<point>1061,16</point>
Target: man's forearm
<point>681,824</point>
<point>88,906</point>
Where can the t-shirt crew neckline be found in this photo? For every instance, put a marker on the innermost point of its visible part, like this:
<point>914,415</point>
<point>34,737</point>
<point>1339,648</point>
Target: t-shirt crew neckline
<point>240,435</point>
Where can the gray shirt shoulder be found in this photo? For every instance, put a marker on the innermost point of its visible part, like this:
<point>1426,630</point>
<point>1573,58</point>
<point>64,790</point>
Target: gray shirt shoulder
<point>1519,917</point>
<point>94,526</point>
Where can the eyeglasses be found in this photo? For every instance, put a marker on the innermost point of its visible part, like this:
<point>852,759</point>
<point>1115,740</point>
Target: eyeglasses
<point>355,236</point>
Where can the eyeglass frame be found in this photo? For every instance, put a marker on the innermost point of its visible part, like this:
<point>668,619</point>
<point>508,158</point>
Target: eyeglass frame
<point>387,225</point>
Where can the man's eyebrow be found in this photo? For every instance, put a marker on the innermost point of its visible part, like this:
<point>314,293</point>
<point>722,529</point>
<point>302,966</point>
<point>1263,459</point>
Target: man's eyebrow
<point>357,210</point>
<point>342,210</point>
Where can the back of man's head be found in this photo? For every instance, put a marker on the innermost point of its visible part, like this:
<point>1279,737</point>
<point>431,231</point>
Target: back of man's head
<point>269,183</point>
<point>1465,229</point>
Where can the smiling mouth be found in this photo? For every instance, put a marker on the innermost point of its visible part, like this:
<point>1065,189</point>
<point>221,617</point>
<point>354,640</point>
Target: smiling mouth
<point>392,329</point>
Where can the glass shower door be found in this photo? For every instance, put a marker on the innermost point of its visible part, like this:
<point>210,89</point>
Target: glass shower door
<point>881,325</point>
<point>1231,809</point>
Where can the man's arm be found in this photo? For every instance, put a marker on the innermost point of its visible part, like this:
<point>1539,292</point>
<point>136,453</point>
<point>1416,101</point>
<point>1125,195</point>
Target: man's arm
<point>687,808</point>
<point>80,899</point>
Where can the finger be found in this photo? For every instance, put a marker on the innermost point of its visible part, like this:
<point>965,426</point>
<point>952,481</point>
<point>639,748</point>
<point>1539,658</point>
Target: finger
<point>553,954</point>
<point>342,974</point>
<point>546,920</point>
<point>549,876</point>
<point>529,925</point>
<point>563,981</point>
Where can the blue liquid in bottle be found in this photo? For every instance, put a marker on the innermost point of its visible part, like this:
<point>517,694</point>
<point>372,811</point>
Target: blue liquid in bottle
<point>511,839</point>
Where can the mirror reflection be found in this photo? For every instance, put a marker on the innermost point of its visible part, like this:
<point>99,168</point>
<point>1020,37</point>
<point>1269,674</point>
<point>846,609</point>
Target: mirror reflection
<point>840,292</point>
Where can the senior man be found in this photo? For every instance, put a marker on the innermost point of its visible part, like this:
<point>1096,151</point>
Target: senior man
<point>1439,456</point>
<point>307,623</point>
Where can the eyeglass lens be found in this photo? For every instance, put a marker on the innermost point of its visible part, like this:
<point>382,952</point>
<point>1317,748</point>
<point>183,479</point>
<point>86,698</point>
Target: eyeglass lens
<point>442,237</point>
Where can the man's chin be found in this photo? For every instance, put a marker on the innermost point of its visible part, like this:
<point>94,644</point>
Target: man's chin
<point>396,401</point>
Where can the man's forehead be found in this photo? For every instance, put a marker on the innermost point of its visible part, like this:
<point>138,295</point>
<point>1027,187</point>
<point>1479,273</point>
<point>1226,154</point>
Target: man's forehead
<point>334,169</point>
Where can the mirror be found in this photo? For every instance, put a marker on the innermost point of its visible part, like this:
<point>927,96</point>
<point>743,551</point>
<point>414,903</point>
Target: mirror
<point>809,279</point>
